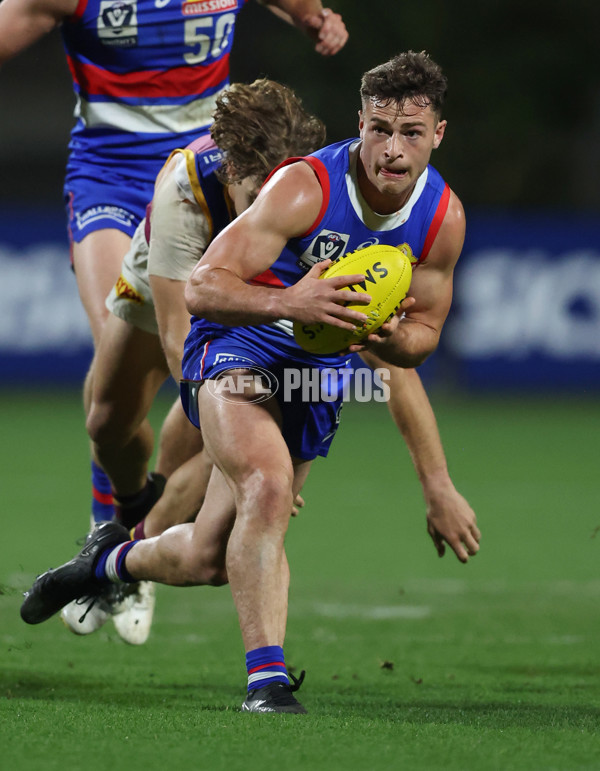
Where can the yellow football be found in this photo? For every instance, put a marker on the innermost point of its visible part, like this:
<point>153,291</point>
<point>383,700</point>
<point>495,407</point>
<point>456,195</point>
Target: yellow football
<point>388,273</point>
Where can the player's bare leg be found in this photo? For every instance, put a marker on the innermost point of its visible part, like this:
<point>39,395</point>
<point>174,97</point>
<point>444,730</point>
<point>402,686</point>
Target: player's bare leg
<point>182,498</point>
<point>129,368</point>
<point>179,441</point>
<point>244,439</point>
<point>97,262</point>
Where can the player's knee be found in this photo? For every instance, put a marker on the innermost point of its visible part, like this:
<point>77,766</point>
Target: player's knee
<point>105,426</point>
<point>267,494</point>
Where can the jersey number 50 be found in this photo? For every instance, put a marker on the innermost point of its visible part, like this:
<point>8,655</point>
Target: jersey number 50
<point>208,45</point>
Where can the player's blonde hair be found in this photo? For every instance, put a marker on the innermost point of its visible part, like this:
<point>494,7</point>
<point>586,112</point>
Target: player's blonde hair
<point>257,125</point>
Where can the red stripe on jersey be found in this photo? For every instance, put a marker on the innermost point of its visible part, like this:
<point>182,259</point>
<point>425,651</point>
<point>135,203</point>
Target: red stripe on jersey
<point>323,177</point>
<point>319,168</point>
<point>102,497</point>
<point>179,81</point>
<point>265,666</point>
<point>436,223</point>
<point>268,278</point>
<point>79,11</point>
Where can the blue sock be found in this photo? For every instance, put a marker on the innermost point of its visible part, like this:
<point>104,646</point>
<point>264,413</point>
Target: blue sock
<point>103,509</point>
<point>110,565</point>
<point>266,665</point>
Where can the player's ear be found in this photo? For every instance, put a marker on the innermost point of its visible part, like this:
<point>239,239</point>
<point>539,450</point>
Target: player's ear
<point>361,120</point>
<point>439,133</point>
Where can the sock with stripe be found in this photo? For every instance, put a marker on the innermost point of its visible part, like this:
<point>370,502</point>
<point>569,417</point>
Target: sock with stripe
<point>266,665</point>
<point>103,509</point>
<point>137,533</point>
<point>110,566</point>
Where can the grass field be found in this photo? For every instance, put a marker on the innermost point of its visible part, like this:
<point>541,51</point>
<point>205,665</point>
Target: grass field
<point>413,662</point>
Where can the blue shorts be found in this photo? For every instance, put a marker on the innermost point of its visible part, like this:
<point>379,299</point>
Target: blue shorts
<point>96,201</point>
<point>308,389</point>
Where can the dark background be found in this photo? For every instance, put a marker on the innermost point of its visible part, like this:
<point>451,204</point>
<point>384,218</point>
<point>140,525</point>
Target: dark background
<point>523,105</point>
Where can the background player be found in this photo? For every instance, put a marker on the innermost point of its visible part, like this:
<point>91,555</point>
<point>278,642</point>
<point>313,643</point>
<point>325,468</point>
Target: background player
<point>198,192</point>
<point>146,76</point>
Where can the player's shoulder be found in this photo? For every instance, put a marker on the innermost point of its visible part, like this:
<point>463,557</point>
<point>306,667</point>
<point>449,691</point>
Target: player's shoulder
<point>295,177</point>
<point>455,214</point>
<point>448,243</point>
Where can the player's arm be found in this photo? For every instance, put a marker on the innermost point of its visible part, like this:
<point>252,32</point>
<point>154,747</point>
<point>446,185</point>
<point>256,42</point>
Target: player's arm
<point>286,207</point>
<point>178,236</point>
<point>22,22</point>
<point>450,518</point>
<point>407,340</point>
<point>325,27</point>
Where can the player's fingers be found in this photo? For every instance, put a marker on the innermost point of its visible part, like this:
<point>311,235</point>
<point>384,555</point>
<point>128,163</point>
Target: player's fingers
<point>299,501</point>
<point>346,296</point>
<point>471,544</point>
<point>333,34</point>
<point>407,303</point>
<point>458,548</point>
<point>337,282</point>
<point>438,541</point>
<point>318,268</point>
<point>346,319</point>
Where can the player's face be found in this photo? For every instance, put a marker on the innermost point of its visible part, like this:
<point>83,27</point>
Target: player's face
<point>397,141</point>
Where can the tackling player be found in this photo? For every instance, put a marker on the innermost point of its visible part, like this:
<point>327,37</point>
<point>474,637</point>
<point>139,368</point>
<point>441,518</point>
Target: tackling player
<point>146,77</point>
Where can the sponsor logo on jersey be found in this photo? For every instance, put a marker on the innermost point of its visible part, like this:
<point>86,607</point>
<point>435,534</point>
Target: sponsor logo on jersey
<point>408,252</point>
<point>117,23</point>
<point>328,245</point>
<point>207,7</point>
<point>368,242</point>
<point>228,358</point>
<point>95,213</point>
<point>125,291</point>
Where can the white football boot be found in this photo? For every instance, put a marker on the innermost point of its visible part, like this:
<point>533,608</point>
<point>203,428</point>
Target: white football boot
<point>132,616</point>
<point>87,614</point>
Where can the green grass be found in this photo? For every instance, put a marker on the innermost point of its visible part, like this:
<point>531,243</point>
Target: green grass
<point>413,662</point>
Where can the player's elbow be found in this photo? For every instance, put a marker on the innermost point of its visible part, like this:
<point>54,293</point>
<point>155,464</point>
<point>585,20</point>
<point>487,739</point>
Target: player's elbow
<point>195,295</point>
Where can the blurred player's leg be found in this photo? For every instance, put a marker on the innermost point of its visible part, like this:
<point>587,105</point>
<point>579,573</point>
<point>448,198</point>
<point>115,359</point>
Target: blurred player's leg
<point>97,263</point>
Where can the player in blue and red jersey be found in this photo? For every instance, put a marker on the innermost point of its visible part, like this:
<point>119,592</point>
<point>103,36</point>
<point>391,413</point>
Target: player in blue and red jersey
<point>146,74</point>
<point>377,189</point>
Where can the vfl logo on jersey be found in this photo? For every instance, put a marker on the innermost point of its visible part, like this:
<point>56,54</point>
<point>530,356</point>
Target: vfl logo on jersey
<point>408,252</point>
<point>207,7</point>
<point>125,291</point>
<point>328,245</point>
<point>117,23</point>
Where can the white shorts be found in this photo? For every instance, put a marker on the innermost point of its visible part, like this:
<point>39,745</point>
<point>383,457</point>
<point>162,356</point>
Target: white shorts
<point>179,233</point>
<point>131,299</point>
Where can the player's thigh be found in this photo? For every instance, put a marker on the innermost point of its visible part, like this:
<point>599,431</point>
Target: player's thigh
<point>243,438</point>
<point>129,368</point>
<point>97,260</point>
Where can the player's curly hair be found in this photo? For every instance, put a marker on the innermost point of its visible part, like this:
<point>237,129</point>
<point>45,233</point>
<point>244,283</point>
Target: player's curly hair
<point>260,124</point>
<point>408,76</point>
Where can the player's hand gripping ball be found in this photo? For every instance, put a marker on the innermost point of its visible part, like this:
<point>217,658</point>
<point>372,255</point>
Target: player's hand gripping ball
<point>388,273</point>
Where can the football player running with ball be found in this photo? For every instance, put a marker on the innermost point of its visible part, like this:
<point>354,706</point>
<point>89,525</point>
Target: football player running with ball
<point>256,278</point>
